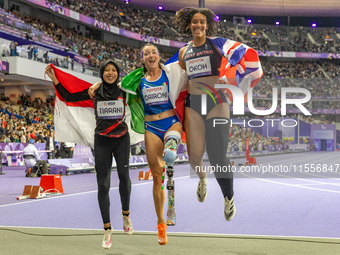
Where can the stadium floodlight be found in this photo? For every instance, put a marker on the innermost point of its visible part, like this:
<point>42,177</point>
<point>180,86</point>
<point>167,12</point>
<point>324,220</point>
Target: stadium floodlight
<point>127,1</point>
<point>277,23</point>
<point>160,7</point>
<point>249,20</point>
<point>217,18</point>
<point>314,25</point>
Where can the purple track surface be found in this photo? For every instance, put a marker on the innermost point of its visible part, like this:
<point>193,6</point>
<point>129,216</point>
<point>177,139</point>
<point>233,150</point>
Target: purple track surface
<point>306,207</point>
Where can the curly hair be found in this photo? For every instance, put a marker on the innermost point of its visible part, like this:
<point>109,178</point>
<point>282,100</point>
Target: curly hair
<point>184,16</point>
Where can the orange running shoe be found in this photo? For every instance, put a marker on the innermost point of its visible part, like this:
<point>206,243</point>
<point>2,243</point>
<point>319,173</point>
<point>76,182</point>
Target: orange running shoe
<point>162,237</point>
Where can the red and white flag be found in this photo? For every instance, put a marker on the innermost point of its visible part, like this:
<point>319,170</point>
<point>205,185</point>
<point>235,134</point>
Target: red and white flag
<point>74,120</point>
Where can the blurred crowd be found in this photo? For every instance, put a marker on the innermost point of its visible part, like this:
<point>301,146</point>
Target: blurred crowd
<point>239,135</point>
<point>33,119</point>
<point>22,123</point>
<point>138,19</point>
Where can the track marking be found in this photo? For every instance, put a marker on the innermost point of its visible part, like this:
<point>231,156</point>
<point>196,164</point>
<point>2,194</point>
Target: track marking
<point>81,193</point>
<point>145,232</point>
<point>293,185</point>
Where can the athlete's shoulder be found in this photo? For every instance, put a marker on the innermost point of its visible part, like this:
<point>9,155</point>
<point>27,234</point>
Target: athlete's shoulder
<point>183,50</point>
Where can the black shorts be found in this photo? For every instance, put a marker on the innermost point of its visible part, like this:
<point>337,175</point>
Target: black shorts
<point>195,102</point>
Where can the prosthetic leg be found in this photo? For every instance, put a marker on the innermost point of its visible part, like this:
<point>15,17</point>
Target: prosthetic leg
<point>172,139</point>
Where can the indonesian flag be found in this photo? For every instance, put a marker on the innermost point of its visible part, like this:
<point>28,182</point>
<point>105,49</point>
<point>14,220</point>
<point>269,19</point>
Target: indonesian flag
<point>74,117</point>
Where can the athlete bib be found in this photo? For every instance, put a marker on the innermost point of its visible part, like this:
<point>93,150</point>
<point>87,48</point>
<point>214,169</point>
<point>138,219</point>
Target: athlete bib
<point>198,67</point>
<point>110,109</point>
<point>156,95</point>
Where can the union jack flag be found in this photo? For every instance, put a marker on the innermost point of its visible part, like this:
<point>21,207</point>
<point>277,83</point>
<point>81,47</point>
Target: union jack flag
<point>240,67</point>
<point>240,64</point>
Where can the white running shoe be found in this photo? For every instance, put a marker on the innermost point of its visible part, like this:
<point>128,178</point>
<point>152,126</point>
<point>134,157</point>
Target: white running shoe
<point>127,225</point>
<point>202,190</point>
<point>229,208</point>
<point>107,241</point>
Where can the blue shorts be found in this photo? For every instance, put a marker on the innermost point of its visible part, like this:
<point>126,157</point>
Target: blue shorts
<point>160,127</point>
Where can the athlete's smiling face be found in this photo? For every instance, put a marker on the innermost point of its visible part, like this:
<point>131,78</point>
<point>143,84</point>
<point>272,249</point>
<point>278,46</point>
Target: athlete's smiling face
<point>198,25</point>
<point>150,57</point>
<point>110,74</point>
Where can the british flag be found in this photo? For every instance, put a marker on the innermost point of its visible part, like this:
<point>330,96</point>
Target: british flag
<point>240,67</point>
<point>240,64</point>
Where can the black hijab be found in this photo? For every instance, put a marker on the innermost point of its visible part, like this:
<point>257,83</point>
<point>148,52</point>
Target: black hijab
<point>107,91</point>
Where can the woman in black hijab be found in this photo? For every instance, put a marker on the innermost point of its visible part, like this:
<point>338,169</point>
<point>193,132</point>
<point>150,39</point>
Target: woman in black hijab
<point>111,137</point>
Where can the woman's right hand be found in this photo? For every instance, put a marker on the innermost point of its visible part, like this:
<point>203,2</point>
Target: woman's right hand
<point>92,90</point>
<point>50,72</point>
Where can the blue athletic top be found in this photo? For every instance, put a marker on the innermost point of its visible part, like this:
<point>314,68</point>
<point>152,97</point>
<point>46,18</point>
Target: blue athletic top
<point>155,95</point>
<point>202,61</point>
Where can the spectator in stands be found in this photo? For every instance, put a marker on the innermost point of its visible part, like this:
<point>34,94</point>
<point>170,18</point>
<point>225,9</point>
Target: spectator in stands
<point>40,137</point>
<point>66,61</point>
<point>240,145</point>
<point>12,48</point>
<point>12,136</point>
<point>32,157</point>
<point>50,145</point>
<point>15,49</point>
<point>45,56</point>
<point>30,51</point>
<point>35,53</point>
<point>33,135</point>
<point>56,61</point>
<point>9,124</point>
<point>69,148</point>
<point>23,138</point>
<point>16,139</point>
<point>27,118</point>
<point>61,153</point>
<point>2,130</point>
<point>8,137</point>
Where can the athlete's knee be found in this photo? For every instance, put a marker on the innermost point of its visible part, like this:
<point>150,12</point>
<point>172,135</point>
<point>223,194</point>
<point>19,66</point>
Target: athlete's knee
<point>103,188</point>
<point>195,159</point>
<point>123,175</point>
<point>124,180</point>
<point>217,136</point>
<point>157,177</point>
<point>157,180</point>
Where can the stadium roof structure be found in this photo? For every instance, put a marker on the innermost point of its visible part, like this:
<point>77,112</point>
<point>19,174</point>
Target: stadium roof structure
<point>304,8</point>
<point>19,80</point>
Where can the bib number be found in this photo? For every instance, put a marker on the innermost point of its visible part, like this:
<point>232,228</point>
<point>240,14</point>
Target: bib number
<point>110,109</point>
<point>155,96</point>
<point>198,67</point>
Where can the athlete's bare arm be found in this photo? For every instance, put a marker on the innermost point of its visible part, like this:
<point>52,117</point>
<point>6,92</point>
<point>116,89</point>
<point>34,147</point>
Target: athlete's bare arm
<point>180,57</point>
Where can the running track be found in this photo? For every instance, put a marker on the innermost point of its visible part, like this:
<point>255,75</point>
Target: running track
<point>304,205</point>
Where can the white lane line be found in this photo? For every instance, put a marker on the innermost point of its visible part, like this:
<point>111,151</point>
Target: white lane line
<point>307,174</point>
<point>183,233</point>
<point>81,193</point>
<point>294,185</point>
<point>297,158</point>
<point>321,183</point>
